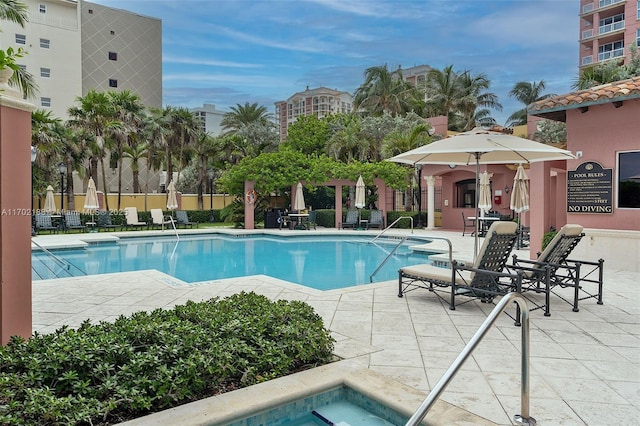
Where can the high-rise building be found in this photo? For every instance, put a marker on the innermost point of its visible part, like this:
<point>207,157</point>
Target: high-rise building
<point>321,102</point>
<point>75,46</point>
<point>607,29</point>
<point>210,118</point>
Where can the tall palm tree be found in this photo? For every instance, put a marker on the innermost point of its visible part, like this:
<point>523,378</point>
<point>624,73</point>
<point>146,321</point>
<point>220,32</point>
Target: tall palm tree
<point>182,128</point>
<point>526,93</point>
<point>135,153</point>
<point>48,146</point>
<point>475,100</point>
<point>16,11</point>
<point>402,141</point>
<point>384,91</point>
<point>442,92</point>
<point>244,115</point>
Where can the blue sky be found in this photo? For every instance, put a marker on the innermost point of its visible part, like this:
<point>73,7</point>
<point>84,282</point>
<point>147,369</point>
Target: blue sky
<point>229,52</point>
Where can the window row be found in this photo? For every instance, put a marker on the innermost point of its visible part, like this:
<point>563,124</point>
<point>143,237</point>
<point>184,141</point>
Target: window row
<point>45,43</point>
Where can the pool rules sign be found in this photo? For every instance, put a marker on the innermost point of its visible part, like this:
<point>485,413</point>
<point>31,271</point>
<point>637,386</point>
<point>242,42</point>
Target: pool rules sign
<point>590,189</point>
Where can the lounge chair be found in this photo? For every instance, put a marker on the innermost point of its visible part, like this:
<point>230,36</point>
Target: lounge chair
<point>483,280</point>
<point>553,269</point>
<point>44,223</point>
<point>376,220</point>
<point>182,219</point>
<point>467,223</point>
<point>72,221</point>
<point>158,219</point>
<point>351,221</point>
<point>104,221</point>
<point>131,216</point>
<point>311,220</point>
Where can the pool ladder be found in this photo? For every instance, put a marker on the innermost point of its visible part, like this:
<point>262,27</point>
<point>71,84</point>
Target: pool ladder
<point>64,266</point>
<point>524,418</point>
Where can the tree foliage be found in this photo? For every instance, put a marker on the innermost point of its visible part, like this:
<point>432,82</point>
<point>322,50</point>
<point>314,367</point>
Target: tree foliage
<point>609,71</point>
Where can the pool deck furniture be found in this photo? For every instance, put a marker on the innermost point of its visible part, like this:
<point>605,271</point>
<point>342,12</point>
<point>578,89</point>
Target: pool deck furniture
<point>483,280</point>
<point>467,223</point>
<point>131,216</point>
<point>553,269</point>
<point>182,219</point>
<point>376,220</point>
<point>159,220</point>
<point>351,221</point>
<point>104,221</point>
<point>72,222</point>
<point>44,222</point>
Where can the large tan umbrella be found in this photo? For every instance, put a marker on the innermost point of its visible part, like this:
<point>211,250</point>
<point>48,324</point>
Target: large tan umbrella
<point>485,203</point>
<point>50,201</point>
<point>298,202</point>
<point>172,199</point>
<point>480,146</point>
<point>91,198</point>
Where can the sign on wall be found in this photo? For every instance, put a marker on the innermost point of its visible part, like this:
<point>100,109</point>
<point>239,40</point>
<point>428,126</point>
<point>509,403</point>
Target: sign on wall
<point>590,189</point>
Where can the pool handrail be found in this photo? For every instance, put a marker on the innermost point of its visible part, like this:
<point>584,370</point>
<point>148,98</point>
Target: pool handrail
<point>61,262</point>
<point>524,418</point>
<point>394,222</point>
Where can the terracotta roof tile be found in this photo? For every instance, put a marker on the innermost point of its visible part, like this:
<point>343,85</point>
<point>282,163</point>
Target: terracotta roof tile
<point>600,94</point>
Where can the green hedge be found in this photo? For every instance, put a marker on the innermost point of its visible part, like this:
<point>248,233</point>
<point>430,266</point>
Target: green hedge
<point>110,372</point>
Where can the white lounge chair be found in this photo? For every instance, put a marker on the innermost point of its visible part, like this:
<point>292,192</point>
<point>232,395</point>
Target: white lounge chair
<point>131,215</point>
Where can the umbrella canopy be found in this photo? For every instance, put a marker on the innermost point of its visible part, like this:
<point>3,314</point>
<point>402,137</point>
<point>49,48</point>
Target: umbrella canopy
<point>360,198</point>
<point>299,203</point>
<point>172,199</point>
<point>485,203</point>
<point>480,146</point>
<point>91,198</point>
<point>520,192</point>
<point>50,201</point>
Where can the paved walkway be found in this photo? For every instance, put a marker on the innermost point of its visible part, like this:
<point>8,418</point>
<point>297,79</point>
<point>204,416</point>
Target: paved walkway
<point>584,365</point>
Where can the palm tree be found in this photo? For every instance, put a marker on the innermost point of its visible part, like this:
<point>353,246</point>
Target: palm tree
<point>398,142</point>
<point>442,92</point>
<point>384,91</point>
<point>244,115</point>
<point>182,128</point>
<point>475,101</point>
<point>16,11</point>
<point>526,93</point>
<point>135,153</point>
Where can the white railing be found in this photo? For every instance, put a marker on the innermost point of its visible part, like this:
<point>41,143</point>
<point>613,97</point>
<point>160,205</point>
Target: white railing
<point>587,60</point>
<point>587,34</point>
<point>611,27</point>
<point>587,8</point>
<point>611,54</point>
<point>605,3</point>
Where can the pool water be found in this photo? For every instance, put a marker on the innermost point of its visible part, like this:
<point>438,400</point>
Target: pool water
<point>320,262</point>
<point>342,406</point>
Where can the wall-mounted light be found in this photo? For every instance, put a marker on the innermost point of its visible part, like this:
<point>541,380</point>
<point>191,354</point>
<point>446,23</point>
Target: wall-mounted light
<point>452,166</point>
<point>507,189</point>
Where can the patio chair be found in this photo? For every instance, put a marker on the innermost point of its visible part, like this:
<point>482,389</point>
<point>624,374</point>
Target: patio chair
<point>311,220</point>
<point>44,223</point>
<point>468,223</point>
<point>283,219</point>
<point>158,219</point>
<point>483,280</point>
<point>104,221</point>
<point>182,219</point>
<point>72,221</point>
<point>351,221</point>
<point>553,269</point>
<point>376,220</point>
<point>131,216</point>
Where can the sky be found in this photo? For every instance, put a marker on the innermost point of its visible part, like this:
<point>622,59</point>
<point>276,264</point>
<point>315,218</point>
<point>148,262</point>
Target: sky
<point>229,52</point>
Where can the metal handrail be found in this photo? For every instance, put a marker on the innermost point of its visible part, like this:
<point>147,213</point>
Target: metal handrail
<point>394,222</point>
<point>61,262</point>
<point>386,258</point>
<point>437,390</point>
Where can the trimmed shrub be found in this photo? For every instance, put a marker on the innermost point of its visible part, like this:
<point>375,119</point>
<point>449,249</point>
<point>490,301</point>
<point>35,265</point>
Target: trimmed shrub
<point>106,373</point>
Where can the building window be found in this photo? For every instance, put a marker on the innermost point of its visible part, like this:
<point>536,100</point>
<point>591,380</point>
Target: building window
<point>43,8</point>
<point>45,72</point>
<point>113,56</point>
<point>611,50</point>
<point>629,180</point>
<point>112,32</point>
<point>638,37</point>
<point>90,11</point>
<point>45,102</point>
<point>638,9</point>
<point>612,23</point>
<point>113,82</point>
<point>21,39</point>
<point>45,43</point>
<point>466,193</point>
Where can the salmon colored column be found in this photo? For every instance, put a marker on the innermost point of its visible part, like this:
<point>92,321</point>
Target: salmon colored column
<point>15,218</point>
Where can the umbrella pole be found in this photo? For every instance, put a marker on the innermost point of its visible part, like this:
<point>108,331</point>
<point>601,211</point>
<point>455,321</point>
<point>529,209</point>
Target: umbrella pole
<point>475,242</point>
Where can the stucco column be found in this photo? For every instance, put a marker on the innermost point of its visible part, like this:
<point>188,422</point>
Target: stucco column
<point>431,201</point>
<point>249,206</point>
<point>541,206</point>
<point>338,204</point>
<point>15,218</point>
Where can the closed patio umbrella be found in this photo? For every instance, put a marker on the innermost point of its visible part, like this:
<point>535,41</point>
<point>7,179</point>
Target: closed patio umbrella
<point>91,199</point>
<point>172,199</point>
<point>485,203</point>
<point>360,196</point>
<point>298,202</point>
<point>480,146</point>
<point>50,201</point>
<point>520,198</point>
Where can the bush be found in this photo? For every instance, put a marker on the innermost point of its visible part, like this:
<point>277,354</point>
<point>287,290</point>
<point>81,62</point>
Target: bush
<point>547,237</point>
<point>110,372</point>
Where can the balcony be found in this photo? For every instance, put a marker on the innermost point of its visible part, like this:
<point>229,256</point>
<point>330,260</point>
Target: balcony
<point>587,34</point>
<point>587,60</point>
<point>616,53</point>
<point>587,8</point>
<point>609,28</point>
<point>605,3</point>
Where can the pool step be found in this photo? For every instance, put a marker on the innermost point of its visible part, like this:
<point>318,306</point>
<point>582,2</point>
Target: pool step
<point>344,413</point>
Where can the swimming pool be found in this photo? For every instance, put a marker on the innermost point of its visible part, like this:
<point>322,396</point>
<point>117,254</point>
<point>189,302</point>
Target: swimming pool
<point>321,262</point>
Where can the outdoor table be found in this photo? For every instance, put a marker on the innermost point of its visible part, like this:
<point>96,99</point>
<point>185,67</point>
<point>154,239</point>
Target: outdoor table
<point>484,223</point>
<point>298,219</point>
<point>364,224</point>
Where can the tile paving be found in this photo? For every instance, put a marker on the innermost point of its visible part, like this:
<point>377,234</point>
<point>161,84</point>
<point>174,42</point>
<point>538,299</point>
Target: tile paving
<point>583,368</point>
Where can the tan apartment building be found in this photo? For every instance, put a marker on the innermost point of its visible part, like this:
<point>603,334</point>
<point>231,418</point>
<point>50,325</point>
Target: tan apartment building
<point>320,101</point>
<point>607,29</point>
